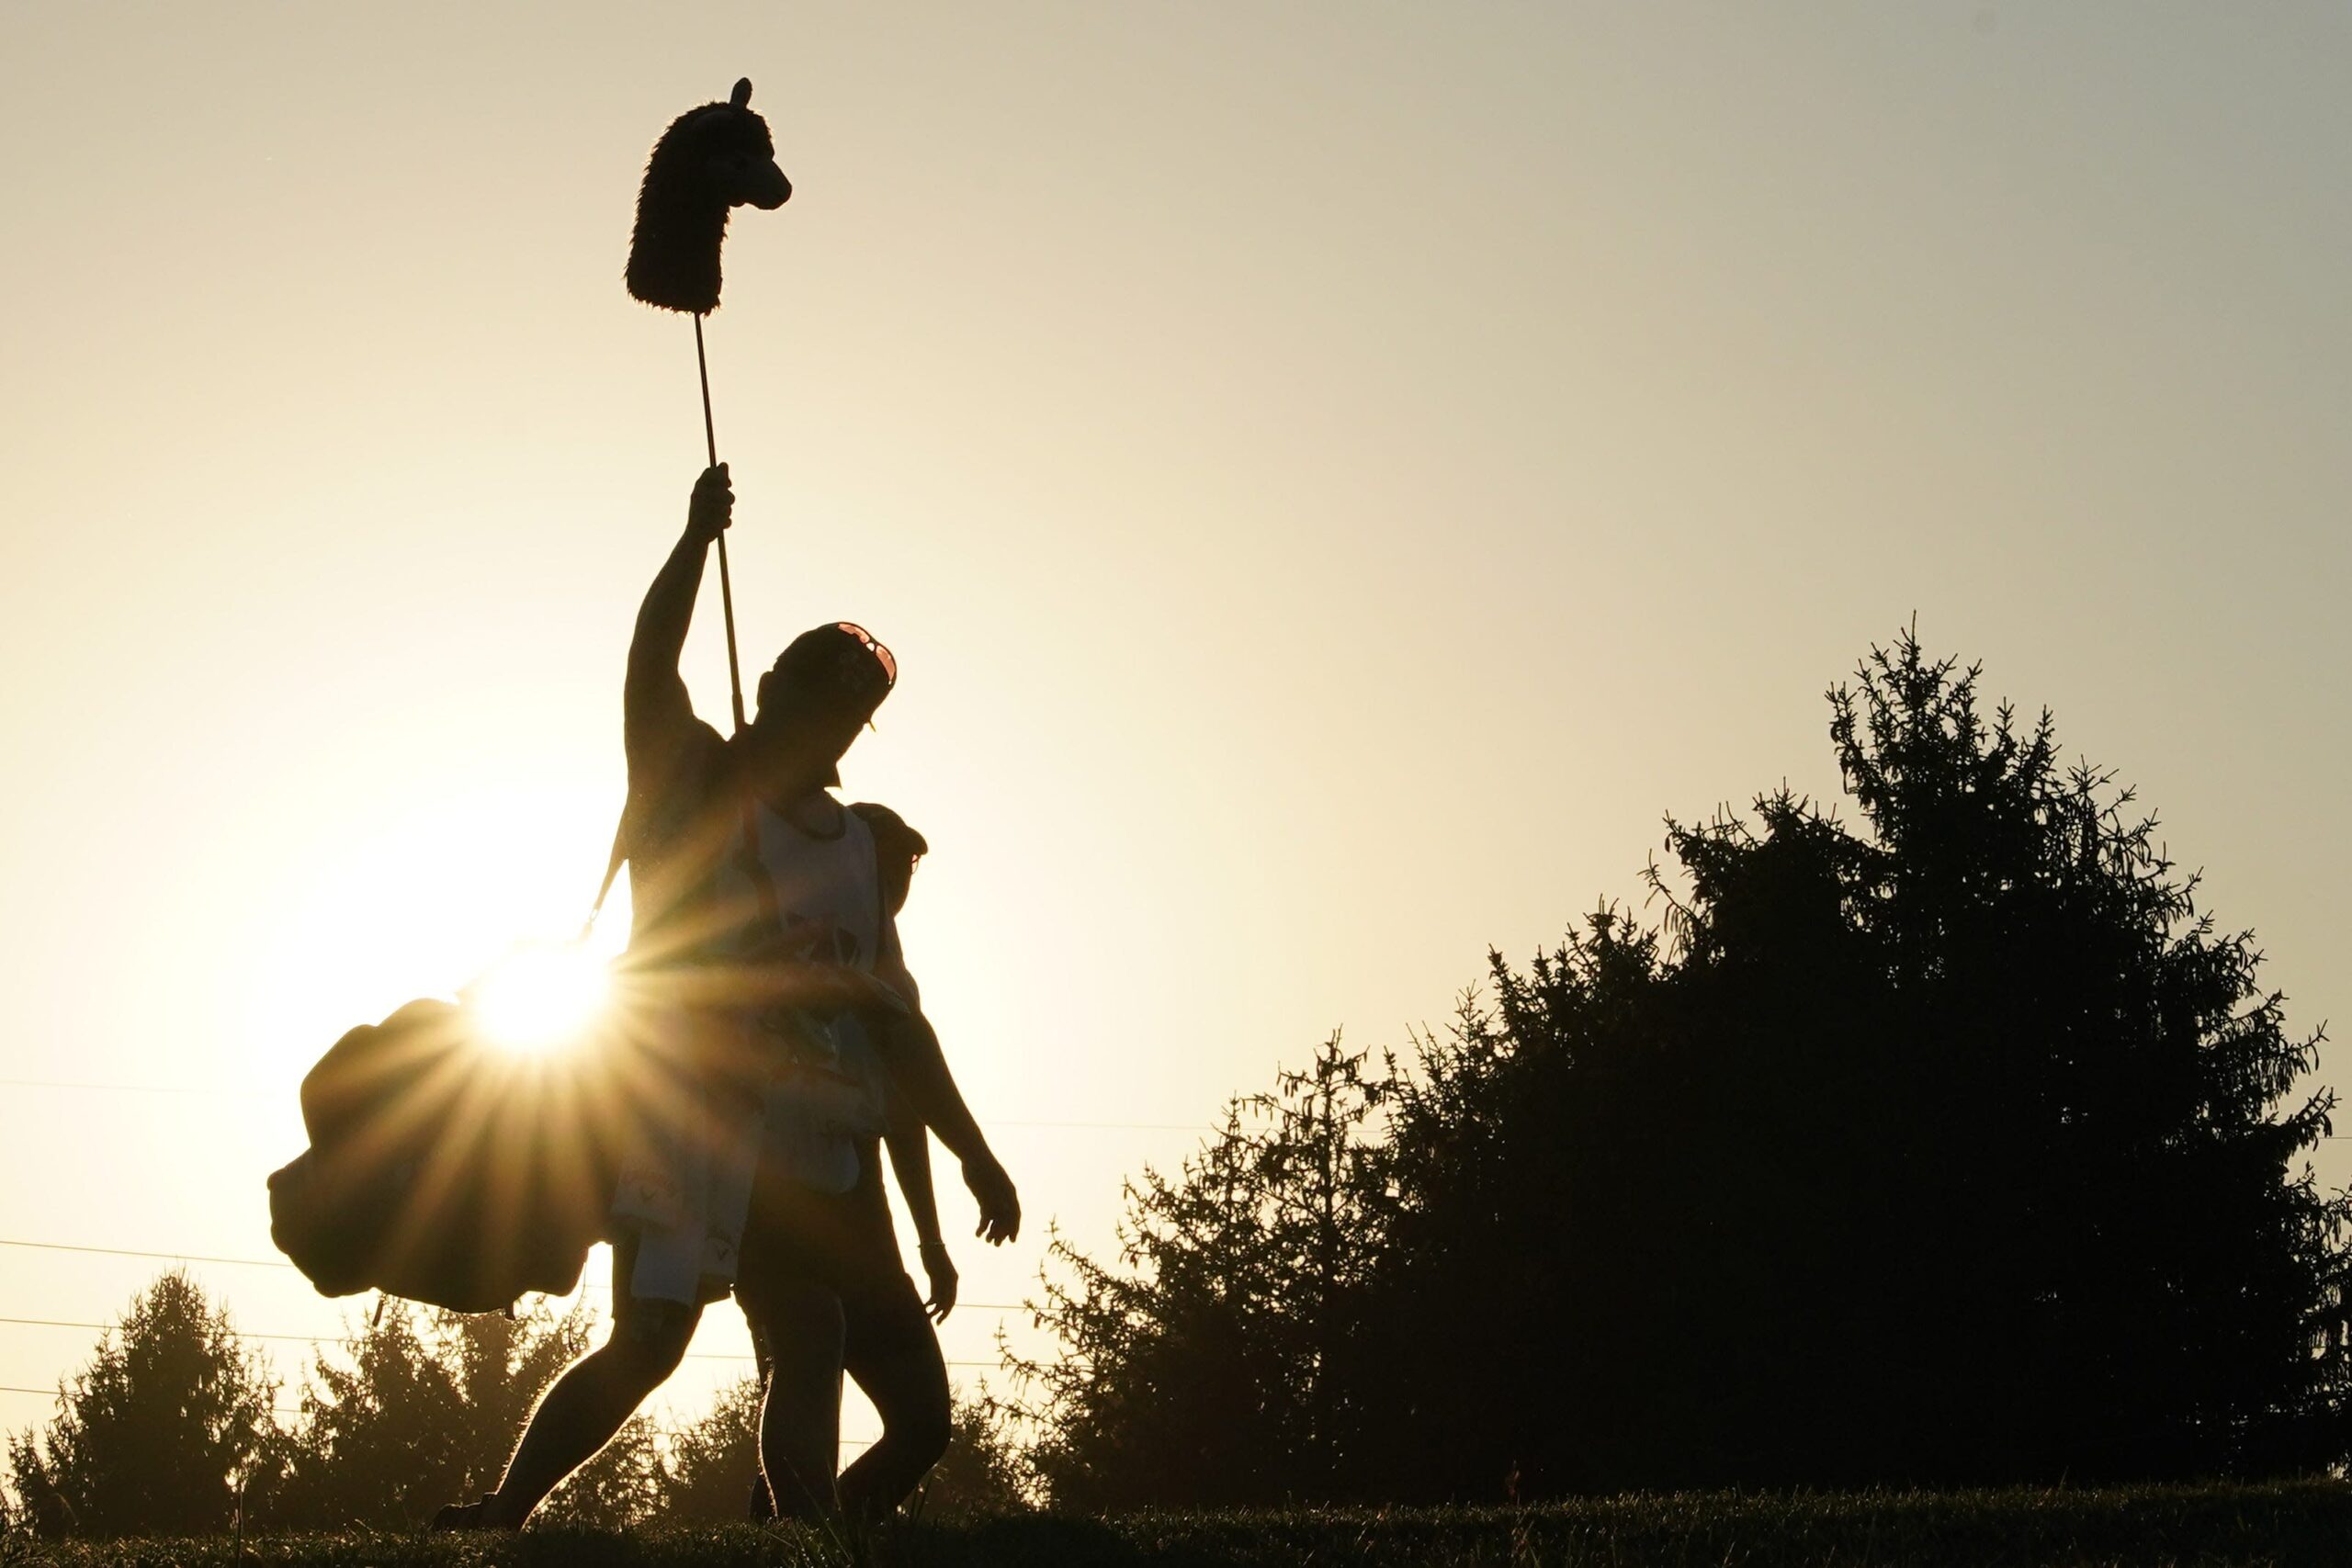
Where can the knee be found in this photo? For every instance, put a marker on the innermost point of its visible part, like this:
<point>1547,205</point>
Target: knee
<point>648,1347</point>
<point>925,1430</point>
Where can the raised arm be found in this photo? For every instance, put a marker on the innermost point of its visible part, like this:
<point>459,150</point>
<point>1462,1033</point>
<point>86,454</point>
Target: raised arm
<point>654,698</point>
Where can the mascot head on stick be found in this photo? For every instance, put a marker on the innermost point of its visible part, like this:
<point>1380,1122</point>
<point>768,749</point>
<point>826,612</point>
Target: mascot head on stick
<point>710,159</point>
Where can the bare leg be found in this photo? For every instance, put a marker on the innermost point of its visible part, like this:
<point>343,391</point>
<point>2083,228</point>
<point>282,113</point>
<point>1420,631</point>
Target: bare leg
<point>586,1405</point>
<point>800,1420</point>
<point>892,1352</point>
<point>762,1506</point>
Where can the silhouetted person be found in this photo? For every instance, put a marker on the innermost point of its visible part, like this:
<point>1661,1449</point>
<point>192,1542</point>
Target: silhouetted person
<point>768,995</point>
<point>888,1348</point>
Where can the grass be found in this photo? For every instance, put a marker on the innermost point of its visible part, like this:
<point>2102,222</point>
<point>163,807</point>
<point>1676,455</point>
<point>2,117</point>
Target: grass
<point>2285,1525</point>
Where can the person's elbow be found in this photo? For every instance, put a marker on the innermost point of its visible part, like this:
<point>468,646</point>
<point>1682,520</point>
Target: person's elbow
<point>896,975</point>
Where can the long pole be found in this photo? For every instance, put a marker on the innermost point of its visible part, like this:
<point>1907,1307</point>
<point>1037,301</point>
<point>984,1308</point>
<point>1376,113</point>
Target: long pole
<point>726,585</point>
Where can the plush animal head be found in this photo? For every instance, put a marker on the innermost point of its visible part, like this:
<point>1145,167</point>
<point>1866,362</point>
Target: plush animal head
<point>711,159</point>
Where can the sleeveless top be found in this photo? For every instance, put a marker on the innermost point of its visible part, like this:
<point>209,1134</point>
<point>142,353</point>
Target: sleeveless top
<point>823,1091</point>
<point>699,930</point>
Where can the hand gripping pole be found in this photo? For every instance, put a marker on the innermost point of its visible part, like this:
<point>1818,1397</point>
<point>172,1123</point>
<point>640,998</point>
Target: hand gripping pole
<point>726,585</point>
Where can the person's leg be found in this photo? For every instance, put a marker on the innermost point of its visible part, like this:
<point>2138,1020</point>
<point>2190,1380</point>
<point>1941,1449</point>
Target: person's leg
<point>892,1352</point>
<point>763,1504</point>
<point>800,1418</point>
<point>586,1405</point>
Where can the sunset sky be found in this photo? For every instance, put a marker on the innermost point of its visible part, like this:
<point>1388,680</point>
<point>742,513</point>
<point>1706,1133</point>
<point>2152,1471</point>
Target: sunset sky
<point>1335,476</point>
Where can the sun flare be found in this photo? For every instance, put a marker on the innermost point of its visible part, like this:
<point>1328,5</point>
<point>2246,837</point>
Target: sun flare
<point>540,997</point>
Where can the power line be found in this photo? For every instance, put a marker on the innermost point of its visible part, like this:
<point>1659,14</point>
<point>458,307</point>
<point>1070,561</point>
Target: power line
<point>247,1092</point>
<point>54,1393</point>
<point>134,1252</point>
<point>354,1339</point>
<point>283,1263</point>
<point>297,1410</point>
<point>243,1091</point>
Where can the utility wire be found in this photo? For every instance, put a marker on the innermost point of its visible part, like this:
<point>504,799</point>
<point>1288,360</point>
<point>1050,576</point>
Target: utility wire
<point>1072,1126</point>
<point>52,1393</point>
<point>283,1263</point>
<point>354,1339</point>
<point>132,1252</point>
<point>298,1410</point>
<point>242,1092</point>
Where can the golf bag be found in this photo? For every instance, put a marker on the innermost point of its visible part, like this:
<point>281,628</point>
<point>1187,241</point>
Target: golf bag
<point>443,1169</point>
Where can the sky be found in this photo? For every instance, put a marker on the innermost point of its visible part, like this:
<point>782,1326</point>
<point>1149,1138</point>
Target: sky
<point>1336,477</point>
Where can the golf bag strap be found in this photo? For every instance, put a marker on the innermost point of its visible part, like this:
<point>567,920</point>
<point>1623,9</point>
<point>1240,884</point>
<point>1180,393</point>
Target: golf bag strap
<point>754,867</point>
<point>612,874</point>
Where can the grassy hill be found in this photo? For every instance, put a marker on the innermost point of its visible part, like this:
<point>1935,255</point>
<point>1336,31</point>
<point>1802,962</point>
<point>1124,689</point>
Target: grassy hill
<point>2286,1525</point>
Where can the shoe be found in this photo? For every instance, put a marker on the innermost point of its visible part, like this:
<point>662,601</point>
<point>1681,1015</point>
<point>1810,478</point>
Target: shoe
<point>481,1516</point>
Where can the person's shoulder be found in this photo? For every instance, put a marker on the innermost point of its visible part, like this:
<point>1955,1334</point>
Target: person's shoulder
<point>893,835</point>
<point>700,736</point>
<point>897,848</point>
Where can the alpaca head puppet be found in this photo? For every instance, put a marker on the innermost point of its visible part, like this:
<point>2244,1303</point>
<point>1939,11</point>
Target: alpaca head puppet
<point>711,159</point>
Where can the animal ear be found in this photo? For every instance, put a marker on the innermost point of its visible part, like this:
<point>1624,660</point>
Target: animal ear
<point>742,96</point>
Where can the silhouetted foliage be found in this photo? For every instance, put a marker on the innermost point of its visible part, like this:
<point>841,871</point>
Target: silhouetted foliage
<point>422,1408</point>
<point>706,1475</point>
<point>712,1461</point>
<point>624,1484</point>
<point>1204,1368</point>
<point>984,1472</point>
<point>158,1435</point>
<point>1957,1147</point>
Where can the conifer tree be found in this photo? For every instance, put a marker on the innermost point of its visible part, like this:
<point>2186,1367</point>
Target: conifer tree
<point>420,1408</point>
<point>1201,1368</point>
<point>160,1435</point>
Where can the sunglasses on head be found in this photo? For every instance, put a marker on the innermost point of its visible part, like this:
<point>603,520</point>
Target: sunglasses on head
<point>873,645</point>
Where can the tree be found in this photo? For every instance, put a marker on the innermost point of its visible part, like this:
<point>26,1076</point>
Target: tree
<point>159,1435</point>
<point>1954,1146</point>
<point>622,1486</point>
<point>712,1463</point>
<point>422,1408</point>
<point>1959,1148</point>
<point>984,1471</point>
<point>1204,1368</point>
<point>708,1474</point>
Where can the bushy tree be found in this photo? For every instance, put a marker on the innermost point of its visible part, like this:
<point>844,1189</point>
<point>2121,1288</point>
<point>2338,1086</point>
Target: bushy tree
<point>1955,1145</point>
<point>711,1462</point>
<point>1959,1147</point>
<point>622,1486</point>
<point>159,1435</point>
<point>706,1474</point>
<point>421,1408</point>
<point>1205,1366</point>
<point>984,1472</point>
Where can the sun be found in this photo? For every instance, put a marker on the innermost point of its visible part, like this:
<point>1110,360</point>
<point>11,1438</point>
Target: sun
<point>540,996</point>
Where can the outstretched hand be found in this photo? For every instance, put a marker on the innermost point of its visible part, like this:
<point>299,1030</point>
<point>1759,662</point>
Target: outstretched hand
<point>939,1269</point>
<point>712,508</point>
<point>999,1205</point>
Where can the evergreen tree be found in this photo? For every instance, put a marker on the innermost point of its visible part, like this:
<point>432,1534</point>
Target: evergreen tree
<point>159,1435</point>
<point>984,1471</point>
<point>622,1486</point>
<point>1954,1146</point>
<point>421,1408</point>
<point>1203,1367</point>
<point>1961,1147</point>
<point>706,1475</point>
<point>712,1463</point>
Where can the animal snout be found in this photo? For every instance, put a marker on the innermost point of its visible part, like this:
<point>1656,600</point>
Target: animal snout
<point>769,189</point>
